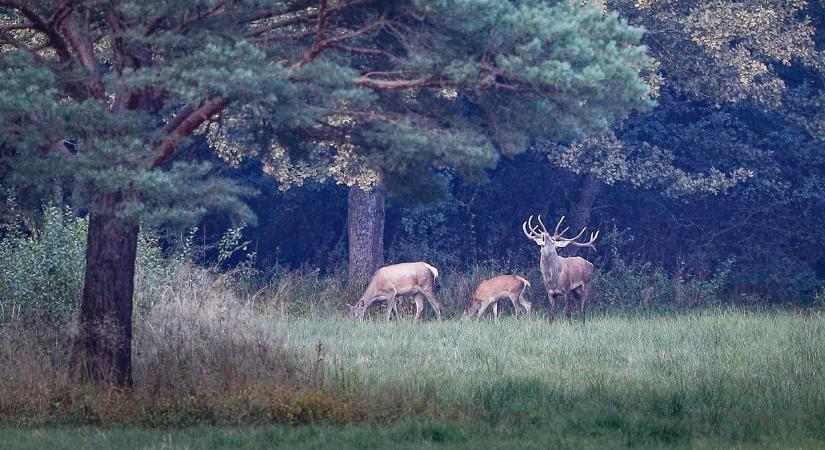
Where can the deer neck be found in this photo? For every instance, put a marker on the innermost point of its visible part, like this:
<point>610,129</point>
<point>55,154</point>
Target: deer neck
<point>550,264</point>
<point>366,300</point>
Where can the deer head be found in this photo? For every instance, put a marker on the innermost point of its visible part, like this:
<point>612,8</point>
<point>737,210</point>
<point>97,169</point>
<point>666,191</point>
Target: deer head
<point>544,239</point>
<point>356,310</point>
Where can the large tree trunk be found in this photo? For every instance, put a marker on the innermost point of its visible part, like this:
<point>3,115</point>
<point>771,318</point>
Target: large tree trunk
<point>588,190</point>
<point>365,218</point>
<point>103,350</point>
<point>57,193</point>
<point>76,195</point>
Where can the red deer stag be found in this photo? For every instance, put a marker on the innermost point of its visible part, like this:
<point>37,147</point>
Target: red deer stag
<point>562,276</point>
<point>414,279</point>
<point>498,288</point>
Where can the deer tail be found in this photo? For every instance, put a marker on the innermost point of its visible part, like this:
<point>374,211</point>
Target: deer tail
<point>433,270</point>
<point>524,280</point>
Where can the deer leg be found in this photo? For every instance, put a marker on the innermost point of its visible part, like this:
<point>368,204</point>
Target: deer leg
<point>391,305</point>
<point>515,303</point>
<point>434,303</point>
<point>568,306</point>
<point>583,295</point>
<point>395,308</point>
<point>495,310</point>
<point>526,305</point>
<point>368,303</point>
<point>551,306</point>
<point>419,306</point>
<point>471,310</point>
<point>482,310</point>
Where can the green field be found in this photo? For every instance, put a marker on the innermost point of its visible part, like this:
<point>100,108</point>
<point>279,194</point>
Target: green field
<point>722,379</point>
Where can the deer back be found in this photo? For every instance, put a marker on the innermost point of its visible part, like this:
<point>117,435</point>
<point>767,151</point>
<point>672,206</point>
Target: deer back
<point>500,285</point>
<point>404,277</point>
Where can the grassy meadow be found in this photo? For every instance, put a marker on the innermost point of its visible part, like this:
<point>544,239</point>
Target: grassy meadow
<point>705,380</point>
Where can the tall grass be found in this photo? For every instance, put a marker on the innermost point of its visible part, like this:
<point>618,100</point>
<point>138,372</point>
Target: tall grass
<point>730,374</point>
<point>723,375</point>
<point>200,354</point>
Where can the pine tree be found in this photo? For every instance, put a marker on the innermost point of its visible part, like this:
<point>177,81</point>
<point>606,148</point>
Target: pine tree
<point>109,95</point>
<point>457,84</point>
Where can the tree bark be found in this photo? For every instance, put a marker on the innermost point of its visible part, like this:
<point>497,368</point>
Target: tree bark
<point>103,350</point>
<point>365,218</point>
<point>57,192</point>
<point>588,191</point>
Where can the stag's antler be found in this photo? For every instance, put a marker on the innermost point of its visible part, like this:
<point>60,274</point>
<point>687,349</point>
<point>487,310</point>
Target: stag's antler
<point>556,233</point>
<point>558,236</point>
<point>534,233</point>
<point>589,243</point>
<point>540,231</point>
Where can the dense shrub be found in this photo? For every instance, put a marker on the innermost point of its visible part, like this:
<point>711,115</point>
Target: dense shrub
<point>41,267</point>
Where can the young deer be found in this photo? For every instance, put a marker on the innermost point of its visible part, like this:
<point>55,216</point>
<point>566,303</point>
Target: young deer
<point>562,276</point>
<point>502,287</point>
<point>414,279</point>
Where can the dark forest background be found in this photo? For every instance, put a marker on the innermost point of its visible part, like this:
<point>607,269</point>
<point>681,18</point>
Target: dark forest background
<point>696,148</point>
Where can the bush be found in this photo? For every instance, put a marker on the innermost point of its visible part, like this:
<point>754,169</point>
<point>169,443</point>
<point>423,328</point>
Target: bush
<point>633,285</point>
<point>156,272</point>
<point>41,267</point>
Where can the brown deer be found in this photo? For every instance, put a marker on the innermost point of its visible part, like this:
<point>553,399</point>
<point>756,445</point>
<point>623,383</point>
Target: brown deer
<point>416,279</point>
<point>502,287</point>
<point>562,276</point>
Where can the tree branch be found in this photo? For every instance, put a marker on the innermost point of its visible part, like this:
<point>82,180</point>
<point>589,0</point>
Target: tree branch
<point>363,51</point>
<point>39,24</point>
<point>318,46</point>
<point>283,37</point>
<point>200,16</point>
<point>364,81</point>
<point>17,26</point>
<point>179,118</point>
<point>273,26</point>
<point>118,48</point>
<point>184,127</point>
<point>59,14</point>
<point>322,44</point>
<point>83,47</point>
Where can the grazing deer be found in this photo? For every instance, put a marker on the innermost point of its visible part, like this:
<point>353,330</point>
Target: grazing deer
<point>498,288</point>
<point>414,279</point>
<point>562,276</point>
